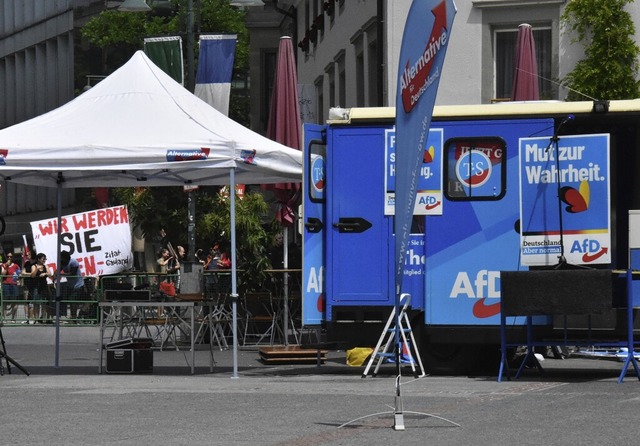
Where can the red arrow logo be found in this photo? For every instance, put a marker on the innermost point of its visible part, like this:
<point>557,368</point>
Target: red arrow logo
<point>586,257</point>
<point>432,206</point>
<point>415,77</point>
<point>481,310</point>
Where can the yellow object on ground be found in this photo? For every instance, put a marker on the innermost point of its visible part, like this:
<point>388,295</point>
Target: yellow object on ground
<point>357,356</point>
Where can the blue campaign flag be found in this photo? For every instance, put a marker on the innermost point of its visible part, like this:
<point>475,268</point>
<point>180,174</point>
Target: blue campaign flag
<point>215,70</point>
<point>424,44</point>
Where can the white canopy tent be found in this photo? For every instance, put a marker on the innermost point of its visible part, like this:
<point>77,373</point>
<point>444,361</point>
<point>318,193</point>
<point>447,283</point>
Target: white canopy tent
<point>138,127</point>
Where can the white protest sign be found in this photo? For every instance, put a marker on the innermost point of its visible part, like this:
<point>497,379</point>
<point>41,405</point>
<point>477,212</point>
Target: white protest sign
<point>100,240</point>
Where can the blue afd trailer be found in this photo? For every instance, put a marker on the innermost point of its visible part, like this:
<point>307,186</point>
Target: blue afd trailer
<point>467,224</point>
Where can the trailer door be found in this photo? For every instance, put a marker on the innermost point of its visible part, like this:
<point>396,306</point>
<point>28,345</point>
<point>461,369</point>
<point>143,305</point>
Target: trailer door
<point>358,232</point>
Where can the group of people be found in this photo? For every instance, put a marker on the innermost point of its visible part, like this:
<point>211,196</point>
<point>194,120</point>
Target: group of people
<point>170,261</point>
<point>35,282</point>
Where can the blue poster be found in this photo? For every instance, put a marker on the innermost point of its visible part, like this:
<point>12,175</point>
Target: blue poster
<point>564,199</point>
<point>424,45</point>
<point>429,191</point>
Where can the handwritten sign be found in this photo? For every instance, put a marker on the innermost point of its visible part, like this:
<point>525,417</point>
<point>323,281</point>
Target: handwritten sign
<point>100,240</point>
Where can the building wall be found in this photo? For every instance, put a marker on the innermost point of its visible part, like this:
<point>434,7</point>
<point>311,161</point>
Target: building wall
<point>468,74</point>
<point>339,62</point>
<point>36,75</point>
<point>266,26</point>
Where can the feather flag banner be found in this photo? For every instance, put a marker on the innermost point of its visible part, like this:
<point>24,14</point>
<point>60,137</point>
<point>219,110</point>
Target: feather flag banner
<point>215,70</point>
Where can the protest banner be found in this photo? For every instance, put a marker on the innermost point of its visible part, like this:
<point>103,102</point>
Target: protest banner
<point>100,240</point>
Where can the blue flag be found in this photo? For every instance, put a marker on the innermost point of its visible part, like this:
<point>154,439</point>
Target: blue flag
<point>215,70</point>
<point>424,44</point>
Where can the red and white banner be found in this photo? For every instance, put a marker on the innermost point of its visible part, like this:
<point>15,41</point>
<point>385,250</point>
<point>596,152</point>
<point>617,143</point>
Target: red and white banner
<point>100,240</point>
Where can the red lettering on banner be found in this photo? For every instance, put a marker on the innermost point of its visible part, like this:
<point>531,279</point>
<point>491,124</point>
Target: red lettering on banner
<point>101,217</point>
<point>51,227</point>
<point>88,265</point>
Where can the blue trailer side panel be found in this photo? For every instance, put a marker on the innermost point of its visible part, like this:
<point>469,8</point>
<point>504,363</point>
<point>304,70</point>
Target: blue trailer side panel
<point>313,189</point>
<point>475,239</point>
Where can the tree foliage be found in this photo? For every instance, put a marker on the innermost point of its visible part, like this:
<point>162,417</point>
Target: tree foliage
<point>120,34</point>
<point>610,67</point>
<point>165,208</point>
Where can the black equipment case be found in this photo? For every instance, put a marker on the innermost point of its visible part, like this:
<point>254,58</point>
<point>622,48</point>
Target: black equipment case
<point>131,355</point>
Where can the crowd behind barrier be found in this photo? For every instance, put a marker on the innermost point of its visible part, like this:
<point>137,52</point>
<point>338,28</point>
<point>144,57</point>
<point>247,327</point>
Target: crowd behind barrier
<point>32,308</point>
<point>24,304</point>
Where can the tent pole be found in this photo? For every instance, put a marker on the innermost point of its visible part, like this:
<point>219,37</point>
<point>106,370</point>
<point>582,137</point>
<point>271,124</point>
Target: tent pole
<point>285,285</point>
<point>234,284</point>
<point>57,277</point>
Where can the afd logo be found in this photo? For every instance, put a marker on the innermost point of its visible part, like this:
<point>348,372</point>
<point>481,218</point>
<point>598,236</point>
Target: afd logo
<point>3,156</point>
<point>591,250</point>
<point>188,155</point>
<point>428,201</point>
<point>484,286</point>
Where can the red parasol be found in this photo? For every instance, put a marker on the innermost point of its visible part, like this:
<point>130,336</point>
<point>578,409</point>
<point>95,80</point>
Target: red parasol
<point>284,124</point>
<point>525,77</point>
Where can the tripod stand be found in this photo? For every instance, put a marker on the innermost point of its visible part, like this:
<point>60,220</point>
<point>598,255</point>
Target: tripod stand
<point>8,359</point>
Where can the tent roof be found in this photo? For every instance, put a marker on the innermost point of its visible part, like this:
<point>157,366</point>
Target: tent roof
<point>138,127</point>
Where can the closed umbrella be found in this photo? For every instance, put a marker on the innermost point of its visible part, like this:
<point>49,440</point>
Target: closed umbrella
<point>284,126</point>
<point>525,77</point>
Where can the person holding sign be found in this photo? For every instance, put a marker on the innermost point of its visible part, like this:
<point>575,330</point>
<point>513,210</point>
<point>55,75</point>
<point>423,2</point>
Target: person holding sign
<point>72,286</point>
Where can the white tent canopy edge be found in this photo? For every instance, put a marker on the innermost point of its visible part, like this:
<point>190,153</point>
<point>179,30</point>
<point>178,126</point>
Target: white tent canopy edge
<point>138,127</point>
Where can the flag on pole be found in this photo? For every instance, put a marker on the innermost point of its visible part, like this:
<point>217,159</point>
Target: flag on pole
<point>215,70</point>
<point>424,44</point>
<point>26,252</point>
<point>166,52</point>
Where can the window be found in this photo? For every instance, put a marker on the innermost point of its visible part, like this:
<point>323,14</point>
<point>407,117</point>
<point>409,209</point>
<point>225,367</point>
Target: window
<point>319,86</point>
<point>475,168</point>
<point>269,59</point>
<point>342,80</point>
<point>331,79</point>
<point>505,49</point>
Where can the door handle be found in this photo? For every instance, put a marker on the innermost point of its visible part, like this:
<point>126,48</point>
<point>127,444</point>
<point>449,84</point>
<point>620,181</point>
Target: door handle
<point>352,225</point>
<point>314,225</point>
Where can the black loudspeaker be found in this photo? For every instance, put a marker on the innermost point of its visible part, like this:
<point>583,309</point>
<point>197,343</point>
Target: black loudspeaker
<point>580,291</point>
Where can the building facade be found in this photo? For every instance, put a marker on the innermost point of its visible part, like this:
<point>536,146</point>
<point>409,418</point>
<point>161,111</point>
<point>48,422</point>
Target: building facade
<point>36,75</point>
<point>347,51</point>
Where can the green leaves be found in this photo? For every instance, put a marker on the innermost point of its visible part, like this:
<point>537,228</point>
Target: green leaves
<point>610,67</point>
<point>165,208</point>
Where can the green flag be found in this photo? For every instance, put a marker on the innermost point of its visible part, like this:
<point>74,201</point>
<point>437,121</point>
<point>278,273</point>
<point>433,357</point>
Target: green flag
<point>166,52</point>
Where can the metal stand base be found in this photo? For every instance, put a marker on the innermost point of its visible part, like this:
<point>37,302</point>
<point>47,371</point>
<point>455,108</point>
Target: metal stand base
<point>398,412</point>
<point>398,418</point>
<point>8,359</point>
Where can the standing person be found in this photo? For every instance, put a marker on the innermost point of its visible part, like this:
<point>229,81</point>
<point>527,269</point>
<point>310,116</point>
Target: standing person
<point>31,308</point>
<point>73,287</point>
<point>163,261</point>
<point>177,265</point>
<point>10,290</point>
<point>41,291</point>
<point>169,266</point>
<point>216,260</point>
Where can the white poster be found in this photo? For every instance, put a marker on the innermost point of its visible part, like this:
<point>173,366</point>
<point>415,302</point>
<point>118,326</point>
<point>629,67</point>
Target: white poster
<point>99,240</point>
